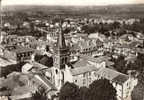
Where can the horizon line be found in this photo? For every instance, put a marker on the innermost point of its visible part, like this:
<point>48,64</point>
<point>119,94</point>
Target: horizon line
<point>72,5</point>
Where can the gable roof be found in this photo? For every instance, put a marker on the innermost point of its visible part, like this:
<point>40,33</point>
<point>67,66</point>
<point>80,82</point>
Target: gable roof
<point>47,61</point>
<point>81,70</point>
<point>120,78</point>
<point>38,65</point>
<point>45,82</point>
<point>21,49</point>
<point>81,63</point>
<point>113,75</point>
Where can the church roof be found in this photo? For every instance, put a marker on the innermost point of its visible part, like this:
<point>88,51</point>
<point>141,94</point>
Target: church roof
<point>83,66</point>
<point>82,69</point>
<point>45,82</point>
<point>81,63</point>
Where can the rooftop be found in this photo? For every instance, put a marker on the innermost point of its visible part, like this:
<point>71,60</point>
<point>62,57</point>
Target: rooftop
<point>38,65</point>
<point>82,69</point>
<point>46,83</point>
<point>18,49</point>
<point>120,78</point>
<point>5,62</point>
<point>113,75</point>
<point>98,59</point>
<point>21,49</point>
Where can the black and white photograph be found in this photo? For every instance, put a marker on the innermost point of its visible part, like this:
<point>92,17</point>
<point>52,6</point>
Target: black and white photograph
<point>71,49</point>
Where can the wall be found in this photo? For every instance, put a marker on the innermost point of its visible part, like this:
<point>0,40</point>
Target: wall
<point>10,55</point>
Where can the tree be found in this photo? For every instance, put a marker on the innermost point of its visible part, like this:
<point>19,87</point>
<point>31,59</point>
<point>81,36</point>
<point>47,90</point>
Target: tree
<point>69,91</point>
<point>116,25</point>
<point>137,65</point>
<point>40,94</point>
<point>120,64</point>
<point>11,68</point>
<point>38,57</point>
<point>138,92</point>
<point>83,92</point>
<point>102,90</point>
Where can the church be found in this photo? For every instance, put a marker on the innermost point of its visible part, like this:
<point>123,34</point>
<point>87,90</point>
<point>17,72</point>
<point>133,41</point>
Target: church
<point>82,73</point>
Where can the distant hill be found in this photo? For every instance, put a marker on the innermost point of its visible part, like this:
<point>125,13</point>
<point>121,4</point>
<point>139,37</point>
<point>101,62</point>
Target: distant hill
<point>134,10</point>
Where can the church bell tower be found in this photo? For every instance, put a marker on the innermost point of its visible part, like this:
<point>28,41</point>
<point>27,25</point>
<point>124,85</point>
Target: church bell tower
<point>62,54</point>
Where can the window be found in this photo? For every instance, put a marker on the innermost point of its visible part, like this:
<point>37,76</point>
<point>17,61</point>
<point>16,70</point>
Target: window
<point>89,80</point>
<point>28,54</point>
<point>84,81</point>
<point>63,60</point>
<point>127,84</point>
<point>84,75</point>
<point>56,71</point>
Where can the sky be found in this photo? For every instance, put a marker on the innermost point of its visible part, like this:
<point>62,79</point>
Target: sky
<point>70,2</point>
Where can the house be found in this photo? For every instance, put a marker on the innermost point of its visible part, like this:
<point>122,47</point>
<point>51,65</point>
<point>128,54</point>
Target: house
<point>87,46</point>
<point>18,53</point>
<point>41,46</point>
<point>124,84</point>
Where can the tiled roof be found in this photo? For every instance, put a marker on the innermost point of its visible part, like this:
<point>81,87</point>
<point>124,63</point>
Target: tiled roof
<point>82,69</point>
<point>80,35</point>
<point>120,78</point>
<point>140,50</point>
<point>75,47</point>
<point>27,66</point>
<point>47,61</point>
<point>125,36</point>
<point>113,75</point>
<point>5,62</point>
<point>84,61</point>
<point>96,60</point>
<point>45,82</point>
<point>81,63</point>
<point>39,43</point>
<point>20,49</point>
<point>38,65</point>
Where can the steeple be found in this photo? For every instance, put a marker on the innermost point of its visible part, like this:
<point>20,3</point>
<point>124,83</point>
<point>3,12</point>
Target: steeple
<point>61,39</point>
<point>61,57</point>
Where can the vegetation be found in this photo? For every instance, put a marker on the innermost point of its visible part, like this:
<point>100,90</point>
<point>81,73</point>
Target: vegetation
<point>102,90</point>
<point>11,68</point>
<point>99,90</point>
<point>138,92</point>
<point>40,94</point>
<point>69,91</point>
<point>122,66</point>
